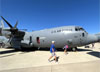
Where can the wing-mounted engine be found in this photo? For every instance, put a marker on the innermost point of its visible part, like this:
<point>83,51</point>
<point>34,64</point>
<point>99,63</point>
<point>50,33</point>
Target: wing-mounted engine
<point>16,35</point>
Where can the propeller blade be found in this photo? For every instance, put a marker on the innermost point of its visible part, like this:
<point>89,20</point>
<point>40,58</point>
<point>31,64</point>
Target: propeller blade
<point>16,24</point>
<point>7,22</point>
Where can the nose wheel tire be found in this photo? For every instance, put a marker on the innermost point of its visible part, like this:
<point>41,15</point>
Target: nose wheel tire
<point>74,49</point>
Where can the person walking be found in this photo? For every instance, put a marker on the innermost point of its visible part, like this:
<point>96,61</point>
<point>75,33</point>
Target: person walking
<point>92,45</point>
<point>52,51</point>
<point>65,49</point>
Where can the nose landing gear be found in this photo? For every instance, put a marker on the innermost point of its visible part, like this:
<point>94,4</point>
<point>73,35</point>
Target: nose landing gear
<point>74,49</point>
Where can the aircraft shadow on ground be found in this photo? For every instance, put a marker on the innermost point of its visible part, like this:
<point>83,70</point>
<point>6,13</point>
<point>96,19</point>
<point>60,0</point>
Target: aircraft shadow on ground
<point>7,55</point>
<point>61,50</point>
<point>8,51</point>
<point>41,49</point>
<point>79,49</point>
<point>94,53</point>
<point>97,54</point>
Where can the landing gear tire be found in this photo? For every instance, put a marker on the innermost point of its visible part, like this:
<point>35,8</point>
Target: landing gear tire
<point>74,49</point>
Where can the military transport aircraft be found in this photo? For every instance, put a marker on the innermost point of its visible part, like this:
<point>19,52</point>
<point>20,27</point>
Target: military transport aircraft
<point>73,36</point>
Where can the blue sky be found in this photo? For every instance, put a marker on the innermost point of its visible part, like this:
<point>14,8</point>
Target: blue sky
<point>43,14</point>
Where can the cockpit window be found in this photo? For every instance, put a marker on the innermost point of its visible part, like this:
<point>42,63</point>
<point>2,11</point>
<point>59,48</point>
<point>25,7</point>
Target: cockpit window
<point>79,29</point>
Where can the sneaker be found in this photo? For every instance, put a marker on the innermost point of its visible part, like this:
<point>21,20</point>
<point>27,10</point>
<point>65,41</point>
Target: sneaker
<point>66,53</point>
<point>56,62</point>
<point>49,60</point>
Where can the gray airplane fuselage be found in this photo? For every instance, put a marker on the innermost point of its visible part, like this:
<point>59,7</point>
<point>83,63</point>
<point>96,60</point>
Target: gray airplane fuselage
<point>71,35</point>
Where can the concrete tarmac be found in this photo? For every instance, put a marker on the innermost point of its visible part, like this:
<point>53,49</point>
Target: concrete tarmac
<point>84,60</point>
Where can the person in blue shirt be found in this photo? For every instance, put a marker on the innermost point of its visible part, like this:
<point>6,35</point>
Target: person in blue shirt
<point>52,51</point>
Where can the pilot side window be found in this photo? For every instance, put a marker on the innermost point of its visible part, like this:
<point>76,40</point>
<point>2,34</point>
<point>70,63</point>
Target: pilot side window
<point>76,29</point>
<point>30,39</point>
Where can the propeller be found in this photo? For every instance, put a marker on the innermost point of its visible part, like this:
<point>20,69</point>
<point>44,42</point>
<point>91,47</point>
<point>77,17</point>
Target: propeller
<point>16,24</point>
<point>12,29</point>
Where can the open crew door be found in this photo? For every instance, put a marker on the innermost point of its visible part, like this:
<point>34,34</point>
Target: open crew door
<point>38,40</point>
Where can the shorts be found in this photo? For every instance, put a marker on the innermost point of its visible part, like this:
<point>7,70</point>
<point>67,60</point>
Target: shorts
<point>64,48</point>
<point>53,54</point>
